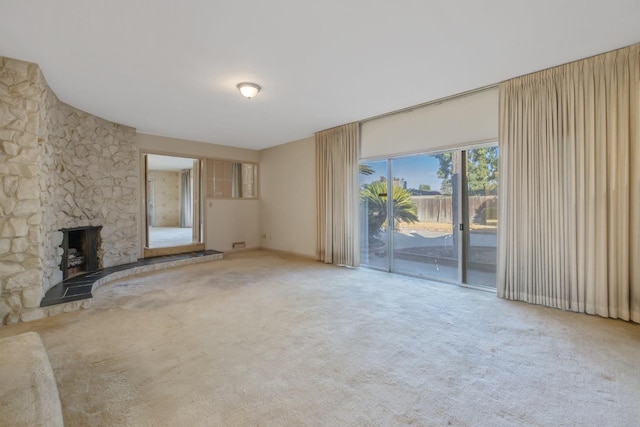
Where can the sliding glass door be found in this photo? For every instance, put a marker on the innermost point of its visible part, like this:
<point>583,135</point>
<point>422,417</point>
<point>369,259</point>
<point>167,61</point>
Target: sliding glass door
<point>482,215</point>
<point>425,212</point>
<point>432,215</point>
<point>373,215</point>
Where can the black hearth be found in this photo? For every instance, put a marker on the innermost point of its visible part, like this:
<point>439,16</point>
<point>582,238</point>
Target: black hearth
<point>80,247</point>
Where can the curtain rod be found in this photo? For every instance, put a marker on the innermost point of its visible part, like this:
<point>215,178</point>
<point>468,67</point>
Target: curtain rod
<point>433,102</point>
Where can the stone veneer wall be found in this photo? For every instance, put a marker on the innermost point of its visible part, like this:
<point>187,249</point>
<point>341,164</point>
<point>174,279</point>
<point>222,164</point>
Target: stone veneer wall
<point>89,177</point>
<point>59,168</point>
<point>21,263</point>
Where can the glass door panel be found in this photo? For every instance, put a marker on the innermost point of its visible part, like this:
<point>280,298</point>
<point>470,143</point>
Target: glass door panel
<point>424,236</point>
<point>482,195</point>
<point>373,215</point>
<point>420,223</point>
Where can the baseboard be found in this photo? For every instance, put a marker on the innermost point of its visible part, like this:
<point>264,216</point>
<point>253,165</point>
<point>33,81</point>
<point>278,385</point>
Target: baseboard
<point>231,251</point>
<point>311,257</point>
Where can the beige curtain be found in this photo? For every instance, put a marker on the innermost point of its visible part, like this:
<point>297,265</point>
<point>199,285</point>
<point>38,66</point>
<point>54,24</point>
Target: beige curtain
<point>236,180</point>
<point>337,155</point>
<point>570,186</point>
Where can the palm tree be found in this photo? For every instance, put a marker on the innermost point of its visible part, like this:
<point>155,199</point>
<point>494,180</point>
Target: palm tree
<point>365,169</point>
<point>375,196</point>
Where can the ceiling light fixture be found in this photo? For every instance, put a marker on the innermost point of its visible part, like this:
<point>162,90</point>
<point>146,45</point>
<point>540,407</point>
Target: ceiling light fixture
<point>248,90</point>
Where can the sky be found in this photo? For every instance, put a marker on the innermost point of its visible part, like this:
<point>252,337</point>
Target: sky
<point>415,170</point>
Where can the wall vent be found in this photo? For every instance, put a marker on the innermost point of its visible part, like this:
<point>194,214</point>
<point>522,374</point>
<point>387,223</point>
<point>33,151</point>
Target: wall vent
<point>239,245</point>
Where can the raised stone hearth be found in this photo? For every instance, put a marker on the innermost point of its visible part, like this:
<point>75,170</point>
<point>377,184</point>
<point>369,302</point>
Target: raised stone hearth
<point>81,287</point>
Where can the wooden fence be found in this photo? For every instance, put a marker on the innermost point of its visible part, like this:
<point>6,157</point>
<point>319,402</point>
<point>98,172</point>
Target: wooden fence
<point>439,209</point>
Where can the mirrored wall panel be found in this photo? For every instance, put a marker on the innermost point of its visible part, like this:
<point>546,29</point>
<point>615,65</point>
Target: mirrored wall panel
<point>227,179</point>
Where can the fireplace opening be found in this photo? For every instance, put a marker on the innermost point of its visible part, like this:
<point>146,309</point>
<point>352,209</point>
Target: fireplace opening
<point>80,246</point>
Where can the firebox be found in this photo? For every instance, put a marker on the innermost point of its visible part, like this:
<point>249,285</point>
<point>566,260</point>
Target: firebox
<point>80,247</point>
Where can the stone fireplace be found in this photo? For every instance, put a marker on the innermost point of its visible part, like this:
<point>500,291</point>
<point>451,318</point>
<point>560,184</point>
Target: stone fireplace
<point>60,169</point>
<point>80,251</point>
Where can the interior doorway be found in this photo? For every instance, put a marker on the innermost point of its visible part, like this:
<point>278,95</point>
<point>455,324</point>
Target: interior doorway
<point>173,204</point>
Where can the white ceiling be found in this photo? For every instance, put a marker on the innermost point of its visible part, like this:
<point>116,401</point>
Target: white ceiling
<point>170,68</point>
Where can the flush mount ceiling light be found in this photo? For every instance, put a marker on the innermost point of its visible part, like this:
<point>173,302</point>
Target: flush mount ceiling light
<point>248,90</point>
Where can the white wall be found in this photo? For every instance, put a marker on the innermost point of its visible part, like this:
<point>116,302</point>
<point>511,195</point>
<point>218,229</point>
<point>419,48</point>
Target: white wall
<point>229,221</point>
<point>226,221</point>
<point>288,197</point>
<point>174,146</point>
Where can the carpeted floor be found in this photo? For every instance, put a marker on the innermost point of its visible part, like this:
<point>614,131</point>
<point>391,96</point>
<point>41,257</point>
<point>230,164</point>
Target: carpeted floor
<point>162,237</point>
<point>261,339</point>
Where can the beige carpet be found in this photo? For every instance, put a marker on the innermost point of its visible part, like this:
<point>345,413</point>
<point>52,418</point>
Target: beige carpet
<point>163,237</point>
<point>260,339</point>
